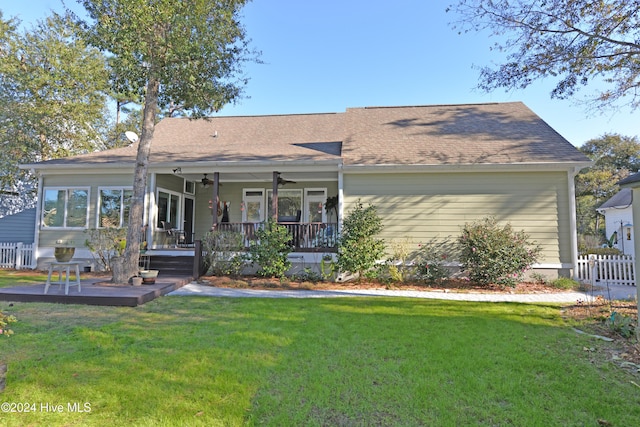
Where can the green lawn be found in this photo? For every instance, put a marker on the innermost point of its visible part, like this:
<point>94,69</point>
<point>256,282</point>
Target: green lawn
<point>188,361</point>
<point>9,278</point>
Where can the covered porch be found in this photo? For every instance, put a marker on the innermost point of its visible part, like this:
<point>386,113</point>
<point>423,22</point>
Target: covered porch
<point>187,202</point>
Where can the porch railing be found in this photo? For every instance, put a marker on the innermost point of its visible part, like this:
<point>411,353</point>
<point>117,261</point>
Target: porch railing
<point>305,237</point>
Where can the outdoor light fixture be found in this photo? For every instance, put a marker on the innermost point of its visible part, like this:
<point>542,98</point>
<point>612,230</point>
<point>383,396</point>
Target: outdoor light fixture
<point>177,170</point>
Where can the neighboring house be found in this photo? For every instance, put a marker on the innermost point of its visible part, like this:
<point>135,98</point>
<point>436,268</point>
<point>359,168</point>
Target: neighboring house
<point>19,227</point>
<point>427,169</point>
<point>618,218</point>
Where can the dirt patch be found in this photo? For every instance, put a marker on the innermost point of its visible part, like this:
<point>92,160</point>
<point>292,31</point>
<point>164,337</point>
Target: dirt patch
<point>612,320</point>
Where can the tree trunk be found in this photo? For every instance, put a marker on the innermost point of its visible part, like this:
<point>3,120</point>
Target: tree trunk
<point>131,255</point>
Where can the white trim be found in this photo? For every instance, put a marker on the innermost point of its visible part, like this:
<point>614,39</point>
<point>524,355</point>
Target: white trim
<point>36,239</point>
<point>262,197</point>
<point>191,167</point>
<point>562,265</point>
<point>340,198</point>
<point>484,167</point>
<point>122,189</point>
<point>573,224</point>
<point>171,193</point>
<point>66,206</point>
<point>150,200</point>
<point>305,202</point>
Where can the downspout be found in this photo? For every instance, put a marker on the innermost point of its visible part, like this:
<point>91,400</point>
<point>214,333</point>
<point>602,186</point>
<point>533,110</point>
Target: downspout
<point>340,197</point>
<point>151,206</point>
<point>573,224</point>
<point>36,239</point>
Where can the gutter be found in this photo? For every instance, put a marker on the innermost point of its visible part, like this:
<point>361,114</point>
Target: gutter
<point>483,167</point>
<point>189,167</point>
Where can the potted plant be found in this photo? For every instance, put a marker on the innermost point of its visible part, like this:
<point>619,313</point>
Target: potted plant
<point>149,276</point>
<point>64,252</point>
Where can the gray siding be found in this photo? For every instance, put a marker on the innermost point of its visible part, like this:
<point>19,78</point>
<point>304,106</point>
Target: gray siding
<point>19,227</point>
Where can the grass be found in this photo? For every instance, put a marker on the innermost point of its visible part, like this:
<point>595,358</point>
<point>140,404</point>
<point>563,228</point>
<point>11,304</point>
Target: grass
<point>10,278</point>
<point>192,361</point>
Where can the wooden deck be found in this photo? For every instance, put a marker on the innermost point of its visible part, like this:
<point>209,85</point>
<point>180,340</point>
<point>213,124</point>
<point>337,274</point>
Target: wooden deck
<point>96,292</point>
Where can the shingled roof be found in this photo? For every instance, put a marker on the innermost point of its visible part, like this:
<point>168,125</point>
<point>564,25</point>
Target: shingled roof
<point>498,133</point>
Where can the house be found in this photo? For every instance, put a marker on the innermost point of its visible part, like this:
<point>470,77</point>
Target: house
<point>19,227</point>
<point>618,218</point>
<point>427,169</point>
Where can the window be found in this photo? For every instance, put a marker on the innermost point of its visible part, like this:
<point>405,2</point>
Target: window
<point>314,200</point>
<point>168,208</point>
<point>65,208</point>
<point>114,205</point>
<point>252,205</point>
<point>289,203</point>
<point>189,187</point>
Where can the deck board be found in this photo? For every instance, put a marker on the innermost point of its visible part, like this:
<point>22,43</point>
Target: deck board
<point>95,292</point>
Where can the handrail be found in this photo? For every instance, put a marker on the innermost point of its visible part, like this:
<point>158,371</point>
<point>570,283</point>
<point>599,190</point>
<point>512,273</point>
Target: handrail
<point>305,236</point>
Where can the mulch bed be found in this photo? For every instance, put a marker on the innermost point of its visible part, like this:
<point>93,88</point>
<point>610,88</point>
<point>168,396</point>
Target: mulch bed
<point>453,285</point>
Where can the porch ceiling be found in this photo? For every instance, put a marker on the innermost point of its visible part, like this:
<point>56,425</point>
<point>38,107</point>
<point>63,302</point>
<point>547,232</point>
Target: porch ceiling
<point>260,176</point>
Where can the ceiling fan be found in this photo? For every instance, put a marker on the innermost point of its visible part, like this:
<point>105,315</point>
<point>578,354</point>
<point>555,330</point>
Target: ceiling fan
<point>282,181</point>
<point>206,181</point>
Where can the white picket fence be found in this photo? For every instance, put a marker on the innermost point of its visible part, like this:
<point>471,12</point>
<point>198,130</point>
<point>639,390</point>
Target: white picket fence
<point>612,269</point>
<point>17,255</point>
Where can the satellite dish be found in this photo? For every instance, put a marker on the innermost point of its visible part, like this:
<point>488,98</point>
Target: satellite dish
<point>131,136</point>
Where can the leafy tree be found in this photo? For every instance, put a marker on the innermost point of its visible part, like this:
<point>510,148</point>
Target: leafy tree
<point>576,42</point>
<point>175,55</point>
<point>52,95</point>
<point>614,156</point>
<point>358,247</point>
<point>615,152</point>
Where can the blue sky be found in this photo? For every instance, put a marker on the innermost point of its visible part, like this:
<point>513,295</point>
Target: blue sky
<point>329,55</point>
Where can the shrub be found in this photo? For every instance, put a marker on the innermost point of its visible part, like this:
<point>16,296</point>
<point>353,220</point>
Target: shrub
<point>225,256</point>
<point>602,251</point>
<point>565,283</point>
<point>308,275</point>
<point>104,244</point>
<point>271,249</point>
<point>358,248</point>
<point>622,324</point>
<point>431,259</point>
<point>398,267</point>
<point>490,253</point>
<point>586,242</point>
<point>4,322</point>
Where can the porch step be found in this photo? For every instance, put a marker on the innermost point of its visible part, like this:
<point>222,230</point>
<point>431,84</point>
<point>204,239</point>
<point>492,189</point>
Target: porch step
<point>172,265</point>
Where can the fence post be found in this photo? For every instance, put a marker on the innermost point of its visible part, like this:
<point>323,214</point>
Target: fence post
<point>592,265</point>
<point>18,258</point>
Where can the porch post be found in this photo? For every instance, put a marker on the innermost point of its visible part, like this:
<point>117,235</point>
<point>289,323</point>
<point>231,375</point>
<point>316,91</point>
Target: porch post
<point>216,184</point>
<point>274,198</point>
